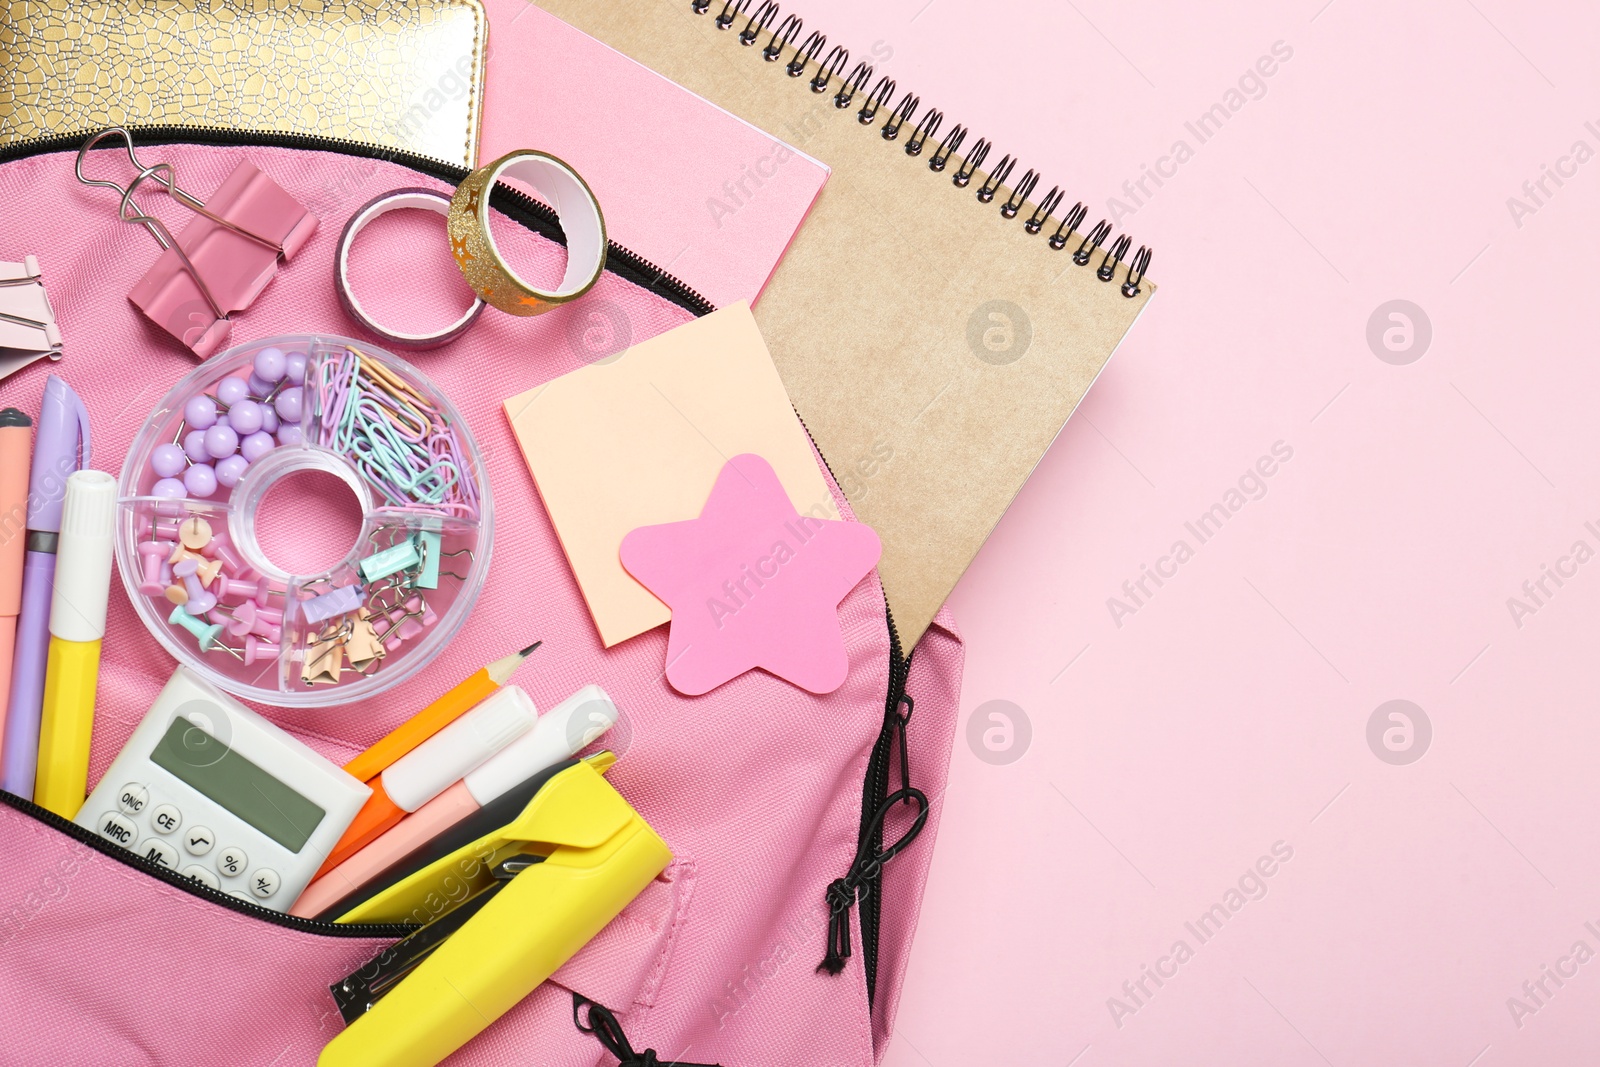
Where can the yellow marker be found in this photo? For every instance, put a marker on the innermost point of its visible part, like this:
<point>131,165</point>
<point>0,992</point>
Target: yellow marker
<point>77,624</point>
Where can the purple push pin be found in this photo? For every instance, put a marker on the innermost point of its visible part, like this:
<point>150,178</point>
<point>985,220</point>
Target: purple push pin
<point>194,445</point>
<point>200,412</point>
<point>232,390</point>
<point>290,404</point>
<point>245,417</point>
<point>295,368</point>
<point>256,445</point>
<point>200,480</point>
<point>270,364</point>
<point>230,469</point>
<point>290,434</point>
<point>169,489</point>
<point>221,442</point>
<point>168,460</point>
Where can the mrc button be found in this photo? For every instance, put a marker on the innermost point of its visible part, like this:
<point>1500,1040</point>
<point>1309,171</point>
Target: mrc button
<point>114,827</point>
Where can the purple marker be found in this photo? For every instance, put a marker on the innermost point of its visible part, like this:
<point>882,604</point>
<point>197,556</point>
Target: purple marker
<point>60,448</point>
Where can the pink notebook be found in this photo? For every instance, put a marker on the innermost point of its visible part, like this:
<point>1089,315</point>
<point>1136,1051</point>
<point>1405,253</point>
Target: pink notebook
<point>702,194</point>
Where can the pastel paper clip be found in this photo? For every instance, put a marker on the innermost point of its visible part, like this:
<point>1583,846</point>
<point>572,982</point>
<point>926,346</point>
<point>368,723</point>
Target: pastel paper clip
<point>27,323</point>
<point>219,263</point>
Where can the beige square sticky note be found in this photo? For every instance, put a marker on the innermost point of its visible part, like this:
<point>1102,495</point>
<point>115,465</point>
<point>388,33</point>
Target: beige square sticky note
<point>639,440</point>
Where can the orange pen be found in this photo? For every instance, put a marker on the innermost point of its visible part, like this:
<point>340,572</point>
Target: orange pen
<point>16,444</point>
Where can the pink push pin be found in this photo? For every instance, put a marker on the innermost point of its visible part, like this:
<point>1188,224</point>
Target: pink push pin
<point>163,527</point>
<point>234,588</point>
<point>409,629</point>
<point>154,554</point>
<point>256,649</point>
<point>221,548</point>
<point>252,618</point>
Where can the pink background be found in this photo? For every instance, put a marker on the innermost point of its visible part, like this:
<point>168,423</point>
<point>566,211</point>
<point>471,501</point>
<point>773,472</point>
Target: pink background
<point>1230,712</point>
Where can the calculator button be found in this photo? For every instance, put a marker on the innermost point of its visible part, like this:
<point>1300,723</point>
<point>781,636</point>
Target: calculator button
<point>231,861</point>
<point>198,840</point>
<point>202,875</point>
<point>158,851</point>
<point>114,827</point>
<point>133,798</point>
<point>166,819</point>
<point>264,882</point>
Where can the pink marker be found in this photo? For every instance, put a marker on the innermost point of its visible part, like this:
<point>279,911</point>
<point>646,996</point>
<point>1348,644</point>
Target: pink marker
<point>560,733</point>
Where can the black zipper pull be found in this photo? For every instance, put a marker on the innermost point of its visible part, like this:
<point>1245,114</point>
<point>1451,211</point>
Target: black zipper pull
<point>607,1030</point>
<point>842,893</point>
<point>900,721</point>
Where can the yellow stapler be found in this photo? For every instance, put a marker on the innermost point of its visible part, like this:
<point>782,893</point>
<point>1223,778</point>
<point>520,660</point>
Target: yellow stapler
<point>533,892</point>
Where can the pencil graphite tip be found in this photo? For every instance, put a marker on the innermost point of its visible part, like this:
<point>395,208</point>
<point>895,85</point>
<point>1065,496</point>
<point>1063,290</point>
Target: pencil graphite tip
<point>500,670</point>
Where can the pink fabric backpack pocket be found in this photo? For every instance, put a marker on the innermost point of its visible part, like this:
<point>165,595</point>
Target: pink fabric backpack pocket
<point>771,798</point>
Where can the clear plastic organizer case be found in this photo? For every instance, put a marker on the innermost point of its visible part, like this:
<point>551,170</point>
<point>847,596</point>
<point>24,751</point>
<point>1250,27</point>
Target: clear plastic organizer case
<point>192,487</point>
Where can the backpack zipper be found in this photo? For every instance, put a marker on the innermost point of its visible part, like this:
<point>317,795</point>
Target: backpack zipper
<point>518,206</point>
<point>865,877</point>
<point>204,892</point>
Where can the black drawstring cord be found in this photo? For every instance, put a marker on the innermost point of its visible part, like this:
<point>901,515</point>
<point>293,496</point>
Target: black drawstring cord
<point>842,892</point>
<point>607,1030</point>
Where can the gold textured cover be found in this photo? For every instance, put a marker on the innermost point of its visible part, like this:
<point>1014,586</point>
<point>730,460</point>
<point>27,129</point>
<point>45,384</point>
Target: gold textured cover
<point>405,75</point>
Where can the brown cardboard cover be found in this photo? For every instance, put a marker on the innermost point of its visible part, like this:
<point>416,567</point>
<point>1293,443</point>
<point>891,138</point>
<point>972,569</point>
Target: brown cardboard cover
<point>930,412</point>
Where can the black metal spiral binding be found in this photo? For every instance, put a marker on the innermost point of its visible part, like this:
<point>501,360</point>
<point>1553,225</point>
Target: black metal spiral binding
<point>1046,207</point>
<point>805,54</point>
<point>1072,221</point>
<point>782,37</point>
<point>1113,256</point>
<point>970,165</point>
<point>758,22</point>
<point>1136,269</point>
<point>925,129</point>
<point>1020,194</point>
<point>877,98</point>
<point>952,142</point>
<point>829,67</point>
<point>1091,243</point>
<point>997,178</point>
<point>902,111</point>
<point>731,10</point>
<point>860,74</point>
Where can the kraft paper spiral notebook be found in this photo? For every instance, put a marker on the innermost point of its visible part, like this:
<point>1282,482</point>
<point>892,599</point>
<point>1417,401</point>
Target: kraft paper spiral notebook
<point>933,340</point>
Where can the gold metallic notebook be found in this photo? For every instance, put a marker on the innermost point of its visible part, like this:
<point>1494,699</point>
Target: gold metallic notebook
<point>405,75</point>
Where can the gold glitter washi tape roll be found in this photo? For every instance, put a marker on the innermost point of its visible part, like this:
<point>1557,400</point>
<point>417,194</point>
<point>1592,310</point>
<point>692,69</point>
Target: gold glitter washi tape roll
<point>472,241</point>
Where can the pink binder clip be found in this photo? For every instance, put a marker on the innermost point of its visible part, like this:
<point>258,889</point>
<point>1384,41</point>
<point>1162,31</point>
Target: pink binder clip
<point>222,259</point>
<point>27,323</point>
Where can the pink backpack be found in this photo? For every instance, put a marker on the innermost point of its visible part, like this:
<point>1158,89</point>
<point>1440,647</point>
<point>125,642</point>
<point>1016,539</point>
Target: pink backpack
<point>780,933</point>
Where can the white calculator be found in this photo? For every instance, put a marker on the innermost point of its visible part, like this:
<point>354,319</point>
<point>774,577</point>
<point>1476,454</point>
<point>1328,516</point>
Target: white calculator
<point>215,792</point>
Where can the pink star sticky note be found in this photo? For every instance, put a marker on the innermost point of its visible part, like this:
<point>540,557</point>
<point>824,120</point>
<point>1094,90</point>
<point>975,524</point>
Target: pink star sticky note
<point>752,583</point>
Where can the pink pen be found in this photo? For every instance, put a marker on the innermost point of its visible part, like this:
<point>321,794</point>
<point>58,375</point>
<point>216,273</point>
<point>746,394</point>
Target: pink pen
<point>16,442</point>
<point>560,732</point>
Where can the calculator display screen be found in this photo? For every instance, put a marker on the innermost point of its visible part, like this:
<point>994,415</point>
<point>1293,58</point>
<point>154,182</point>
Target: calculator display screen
<point>216,771</point>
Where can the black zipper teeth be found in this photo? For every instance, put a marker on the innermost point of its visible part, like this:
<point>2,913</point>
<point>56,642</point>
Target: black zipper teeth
<point>875,792</point>
<point>522,208</point>
<point>204,892</point>
<point>876,787</point>
<point>624,263</point>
